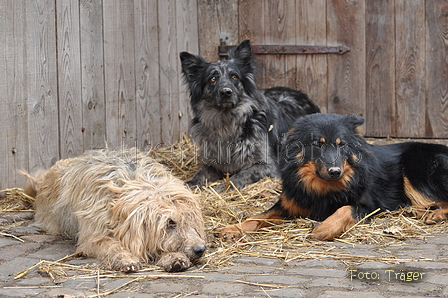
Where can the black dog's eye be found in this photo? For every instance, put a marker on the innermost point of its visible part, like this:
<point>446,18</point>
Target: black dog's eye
<point>234,77</point>
<point>213,79</point>
<point>171,224</point>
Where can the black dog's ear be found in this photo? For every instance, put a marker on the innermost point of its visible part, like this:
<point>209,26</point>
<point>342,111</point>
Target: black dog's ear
<point>244,56</point>
<point>192,65</point>
<point>355,121</point>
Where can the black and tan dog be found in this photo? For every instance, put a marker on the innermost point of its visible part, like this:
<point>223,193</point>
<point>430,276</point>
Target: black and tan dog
<point>237,124</point>
<point>330,173</point>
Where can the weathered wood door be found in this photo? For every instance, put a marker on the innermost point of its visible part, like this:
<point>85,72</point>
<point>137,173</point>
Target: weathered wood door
<point>395,74</point>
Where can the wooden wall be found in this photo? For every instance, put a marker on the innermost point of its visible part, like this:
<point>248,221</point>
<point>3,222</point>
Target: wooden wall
<point>77,74</point>
<point>395,74</point>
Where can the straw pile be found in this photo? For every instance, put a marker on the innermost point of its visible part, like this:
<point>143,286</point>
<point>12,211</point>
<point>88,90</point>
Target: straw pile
<point>288,241</point>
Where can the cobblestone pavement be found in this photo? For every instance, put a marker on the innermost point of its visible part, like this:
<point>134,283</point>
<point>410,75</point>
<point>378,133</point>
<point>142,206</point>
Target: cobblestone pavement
<point>247,277</point>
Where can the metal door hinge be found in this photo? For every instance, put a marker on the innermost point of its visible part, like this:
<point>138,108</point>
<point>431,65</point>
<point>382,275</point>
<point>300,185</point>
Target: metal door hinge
<point>287,50</point>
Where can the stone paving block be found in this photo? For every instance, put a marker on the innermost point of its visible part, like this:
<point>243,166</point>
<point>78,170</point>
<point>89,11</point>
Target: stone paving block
<point>19,230</point>
<point>255,260</point>
<point>436,278</point>
<point>6,218</point>
<point>275,279</point>
<point>41,238</point>
<point>20,292</point>
<point>336,283</point>
<point>439,240</point>
<point>80,284</point>
<point>85,260</point>
<point>348,294</point>
<point>34,281</point>
<point>131,295</point>
<point>284,292</point>
<point>61,292</point>
<point>218,276</point>
<point>111,285</point>
<point>55,252</point>
<point>222,288</point>
<point>10,252</point>
<point>238,269</point>
<point>4,241</point>
<point>415,288</point>
<point>317,263</point>
<point>167,288</point>
<point>8,269</point>
<point>318,272</point>
<point>429,266</point>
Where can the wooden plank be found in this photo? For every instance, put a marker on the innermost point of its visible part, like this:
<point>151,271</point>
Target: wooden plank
<point>215,18</point>
<point>346,78</point>
<point>280,29</point>
<point>252,26</point>
<point>380,68</point>
<point>410,70</point>
<point>69,79</point>
<point>436,124</point>
<point>14,109</point>
<point>93,86</point>
<point>119,71</point>
<point>187,40</point>
<point>311,74</point>
<point>40,44</point>
<point>169,76</point>
<point>147,74</point>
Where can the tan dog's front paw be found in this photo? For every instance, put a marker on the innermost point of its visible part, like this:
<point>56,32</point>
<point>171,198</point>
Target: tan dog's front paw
<point>127,264</point>
<point>174,262</point>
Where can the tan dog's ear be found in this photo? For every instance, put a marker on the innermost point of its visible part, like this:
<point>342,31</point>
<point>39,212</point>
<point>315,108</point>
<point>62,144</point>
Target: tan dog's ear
<point>33,181</point>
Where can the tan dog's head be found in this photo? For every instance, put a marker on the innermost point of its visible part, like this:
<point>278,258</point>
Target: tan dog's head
<point>152,217</point>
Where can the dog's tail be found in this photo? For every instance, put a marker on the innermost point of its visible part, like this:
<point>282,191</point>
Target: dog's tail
<point>32,181</point>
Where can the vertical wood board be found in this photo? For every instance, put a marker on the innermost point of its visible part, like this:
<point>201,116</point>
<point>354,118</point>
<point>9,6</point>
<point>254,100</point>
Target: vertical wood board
<point>43,122</point>
<point>410,68</point>
<point>69,79</point>
<point>436,124</point>
<point>380,68</point>
<point>119,67</point>
<point>92,74</point>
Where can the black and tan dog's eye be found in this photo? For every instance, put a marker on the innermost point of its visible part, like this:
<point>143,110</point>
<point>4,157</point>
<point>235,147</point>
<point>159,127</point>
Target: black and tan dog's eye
<point>318,144</point>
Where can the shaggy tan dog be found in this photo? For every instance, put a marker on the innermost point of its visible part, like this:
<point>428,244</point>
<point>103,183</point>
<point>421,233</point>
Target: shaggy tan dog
<point>122,207</point>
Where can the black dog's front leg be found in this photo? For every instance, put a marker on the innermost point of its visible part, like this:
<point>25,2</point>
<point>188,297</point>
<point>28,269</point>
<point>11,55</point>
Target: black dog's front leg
<point>204,175</point>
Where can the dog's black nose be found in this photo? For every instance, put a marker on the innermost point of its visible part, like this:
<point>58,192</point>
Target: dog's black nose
<point>226,92</point>
<point>199,250</point>
<point>334,172</point>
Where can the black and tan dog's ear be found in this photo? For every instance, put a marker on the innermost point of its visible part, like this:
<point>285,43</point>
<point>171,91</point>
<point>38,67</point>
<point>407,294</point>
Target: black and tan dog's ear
<point>192,65</point>
<point>355,121</point>
<point>244,56</point>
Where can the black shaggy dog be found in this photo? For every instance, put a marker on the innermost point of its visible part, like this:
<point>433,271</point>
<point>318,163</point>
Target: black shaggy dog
<point>330,173</point>
<point>238,125</point>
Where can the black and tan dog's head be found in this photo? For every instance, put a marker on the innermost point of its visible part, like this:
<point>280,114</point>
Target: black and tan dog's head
<point>221,84</point>
<point>322,151</point>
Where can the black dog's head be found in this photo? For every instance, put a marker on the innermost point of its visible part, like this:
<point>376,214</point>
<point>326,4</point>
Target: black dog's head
<point>220,84</point>
<point>323,149</point>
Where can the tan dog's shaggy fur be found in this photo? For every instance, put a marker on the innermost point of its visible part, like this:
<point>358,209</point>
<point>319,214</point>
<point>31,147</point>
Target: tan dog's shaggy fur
<point>122,207</point>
